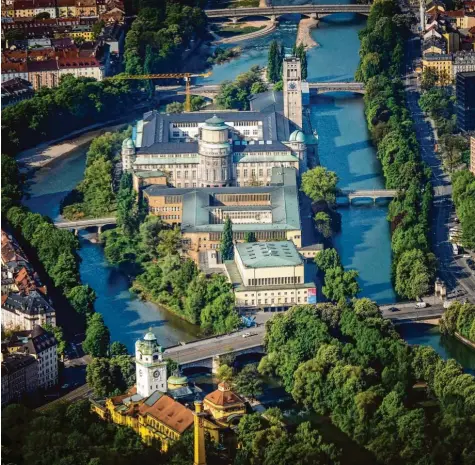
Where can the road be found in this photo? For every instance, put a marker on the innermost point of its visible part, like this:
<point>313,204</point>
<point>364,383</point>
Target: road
<point>451,270</point>
<point>82,392</point>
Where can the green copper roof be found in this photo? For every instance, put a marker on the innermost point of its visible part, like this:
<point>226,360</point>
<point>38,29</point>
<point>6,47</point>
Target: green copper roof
<point>215,121</point>
<point>268,254</point>
<point>178,380</point>
<point>128,143</point>
<point>297,136</point>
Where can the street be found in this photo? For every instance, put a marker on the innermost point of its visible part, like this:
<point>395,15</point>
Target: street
<point>452,270</point>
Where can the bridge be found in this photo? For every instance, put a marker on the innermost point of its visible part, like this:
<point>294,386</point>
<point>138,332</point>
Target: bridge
<point>211,90</point>
<point>274,12</point>
<point>83,224</point>
<point>374,194</point>
<point>207,352</point>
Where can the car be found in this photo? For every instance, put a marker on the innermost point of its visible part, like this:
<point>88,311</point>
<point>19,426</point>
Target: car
<point>421,304</point>
<point>65,386</point>
<point>393,309</point>
<point>247,335</point>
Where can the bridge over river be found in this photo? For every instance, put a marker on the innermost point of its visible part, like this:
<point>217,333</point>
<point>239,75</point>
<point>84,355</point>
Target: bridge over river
<point>76,225</point>
<point>373,194</point>
<point>207,352</point>
<point>274,12</point>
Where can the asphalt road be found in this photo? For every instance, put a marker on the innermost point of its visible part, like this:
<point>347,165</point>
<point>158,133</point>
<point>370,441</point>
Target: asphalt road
<point>82,392</point>
<point>452,270</point>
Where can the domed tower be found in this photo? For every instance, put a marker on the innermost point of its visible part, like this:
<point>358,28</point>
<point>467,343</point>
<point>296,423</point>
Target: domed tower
<point>128,154</point>
<point>151,370</point>
<point>299,147</point>
<point>215,154</point>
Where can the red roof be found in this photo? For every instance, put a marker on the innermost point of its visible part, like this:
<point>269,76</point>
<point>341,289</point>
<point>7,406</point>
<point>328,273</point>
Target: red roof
<point>223,396</point>
<point>455,14</point>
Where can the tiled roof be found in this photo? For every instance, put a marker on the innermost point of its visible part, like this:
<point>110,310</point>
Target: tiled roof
<point>33,342</point>
<point>169,412</point>
<point>14,362</point>
<point>223,396</point>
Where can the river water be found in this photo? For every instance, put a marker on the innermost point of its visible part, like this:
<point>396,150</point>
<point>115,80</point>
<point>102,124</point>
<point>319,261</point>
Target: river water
<point>344,147</point>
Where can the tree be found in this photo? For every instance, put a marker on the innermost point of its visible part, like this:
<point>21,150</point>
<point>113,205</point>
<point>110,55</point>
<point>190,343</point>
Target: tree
<point>175,107</point>
<point>326,259</point>
<point>301,53</point>
<point>169,242</point>
<point>248,382</point>
<point>226,247</point>
<point>64,273</point>
<point>118,348</point>
<point>323,224</point>
<point>273,62</point>
<point>340,284</point>
<point>220,316</point>
<point>97,28</point>
<point>127,210</point>
<point>43,15</point>
<point>197,102</point>
<point>82,299</point>
<point>452,149</point>
<point>258,87</point>
<point>429,78</point>
<point>98,377</point>
<point>250,236</point>
<point>59,336</point>
<point>320,184</point>
<point>97,338</point>
<point>414,273</point>
<point>225,373</point>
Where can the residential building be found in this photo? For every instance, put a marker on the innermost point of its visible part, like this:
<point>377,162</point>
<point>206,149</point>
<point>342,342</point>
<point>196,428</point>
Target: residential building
<point>442,63</point>
<point>271,212</point>
<point>19,376</point>
<point>269,275</point>
<point>86,8</point>
<point>66,8</point>
<point>25,311</point>
<point>154,414</point>
<point>465,101</point>
<point>24,8</point>
<point>463,62</point>
<point>472,154</point>
<point>14,70</point>
<point>45,6</point>
<point>42,345</point>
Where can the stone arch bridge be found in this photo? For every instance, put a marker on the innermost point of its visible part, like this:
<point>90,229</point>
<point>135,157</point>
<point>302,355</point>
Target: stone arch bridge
<point>274,12</point>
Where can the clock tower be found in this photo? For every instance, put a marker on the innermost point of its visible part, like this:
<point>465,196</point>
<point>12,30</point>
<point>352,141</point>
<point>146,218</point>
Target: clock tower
<point>151,369</point>
<point>292,89</point>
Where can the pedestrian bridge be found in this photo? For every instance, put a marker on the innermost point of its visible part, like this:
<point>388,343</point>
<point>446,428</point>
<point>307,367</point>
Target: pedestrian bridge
<point>274,12</point>
<point>83,224</point>
<point>374,195</point>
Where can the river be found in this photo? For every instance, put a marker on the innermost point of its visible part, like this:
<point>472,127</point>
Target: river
<point>344,147</point>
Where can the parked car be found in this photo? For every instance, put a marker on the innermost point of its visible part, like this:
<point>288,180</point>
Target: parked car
<point>421,304</point>
<point>247,335</point>
<point>393,309</point>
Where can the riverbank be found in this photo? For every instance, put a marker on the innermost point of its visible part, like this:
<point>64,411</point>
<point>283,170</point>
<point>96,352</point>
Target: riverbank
<point>266,27</point>
<point>45,153</point>
<point>465,341</point>
<point>303,34</point>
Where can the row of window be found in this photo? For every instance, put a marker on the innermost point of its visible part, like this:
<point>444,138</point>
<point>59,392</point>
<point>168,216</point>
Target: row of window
<point>186,174</point>
<point>275,281</point>
<point>277,293</point>
<point>273,301</point>
<point>260,235</point>
<point>184,125</point>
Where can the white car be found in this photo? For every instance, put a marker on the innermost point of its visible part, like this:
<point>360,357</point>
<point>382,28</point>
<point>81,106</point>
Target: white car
<point>247,335</point>
<point>421,304</point>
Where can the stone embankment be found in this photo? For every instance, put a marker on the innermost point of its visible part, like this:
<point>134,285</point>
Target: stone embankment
<point>303,34</point>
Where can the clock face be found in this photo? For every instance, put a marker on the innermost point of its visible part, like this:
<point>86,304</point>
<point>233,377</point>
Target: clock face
<point>292,85</point>
<point>156,374</point>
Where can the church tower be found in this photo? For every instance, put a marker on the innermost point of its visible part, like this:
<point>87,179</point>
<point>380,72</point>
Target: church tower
<point>151,369</point>
<point>292,89</point>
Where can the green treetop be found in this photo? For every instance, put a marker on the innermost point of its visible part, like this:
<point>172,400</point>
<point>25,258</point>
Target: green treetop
<point>227,248</point>
<point>320,184</point>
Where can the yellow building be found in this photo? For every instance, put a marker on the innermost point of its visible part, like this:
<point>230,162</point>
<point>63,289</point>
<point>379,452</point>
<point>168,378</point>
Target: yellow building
<point>224,405</point>
<point>441,63</point>
<point>66,8</point>
<point>77,32</point>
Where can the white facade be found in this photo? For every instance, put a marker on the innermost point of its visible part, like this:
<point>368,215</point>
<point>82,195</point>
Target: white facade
<point>96,72</point>
<point>151,370</point>
<point>293,90</point>
<point>8,76</point>
<point>47,367</point>
<point>15,319</point>
<point>50,10</point>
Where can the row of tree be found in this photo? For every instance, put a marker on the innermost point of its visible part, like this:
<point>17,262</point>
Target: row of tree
<point>275,59</point>
<point>164,276</point>
<point>348,363</point>
<point>53,113</point>
<point>463,194</point>
<point>459,318</point>
<point>392,131</point>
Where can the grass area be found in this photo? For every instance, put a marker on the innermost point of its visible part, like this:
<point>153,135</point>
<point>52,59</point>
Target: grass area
<point>230,31</point>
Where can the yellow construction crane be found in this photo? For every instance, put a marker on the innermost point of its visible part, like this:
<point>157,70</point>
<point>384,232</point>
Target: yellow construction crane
<point>186,76</point>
